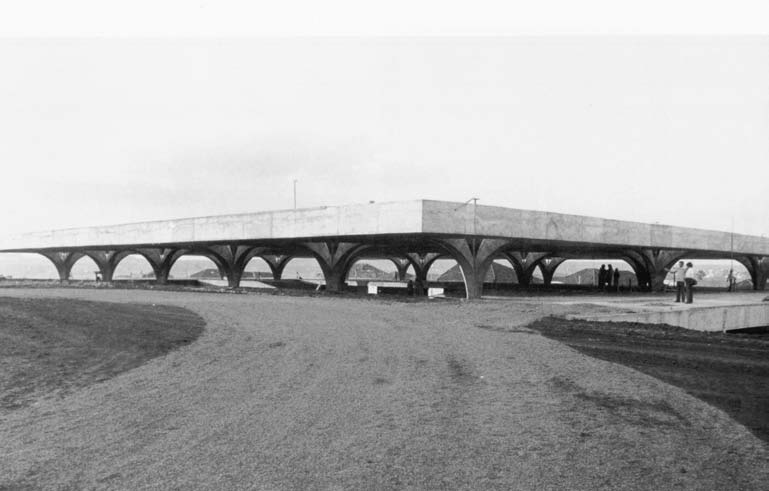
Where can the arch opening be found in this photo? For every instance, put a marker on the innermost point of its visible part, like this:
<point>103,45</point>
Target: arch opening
<point>194,267</point>
<point>714,273</point>
<point>585,272</point>
<point>84,268</point>
<point>303,268</point>
<point>134,266</point>
<point>256,269</point>
<point>27,265</point>
<point>363,269</point>
<point>501,272</point>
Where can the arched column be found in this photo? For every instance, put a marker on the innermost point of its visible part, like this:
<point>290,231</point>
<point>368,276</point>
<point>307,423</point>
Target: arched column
<point>277,263</point>
<point>107,261</point>
<point>524,263</point>
<point>548,266</point>
<point>334,259</point>
<point>231,260</point>
<point>63,261</point>
<point>474,257</point>
<point>762,274</point>
<point>758,267</point>
<point>653,265</point>
<point>402,266</point>
<point>422,263</point>
<point>161,260</point>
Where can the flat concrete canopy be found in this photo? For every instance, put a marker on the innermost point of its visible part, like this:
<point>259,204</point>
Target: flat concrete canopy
<point>410,233</point>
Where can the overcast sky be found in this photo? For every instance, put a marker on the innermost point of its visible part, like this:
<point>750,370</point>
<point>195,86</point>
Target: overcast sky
<point>656,129</point>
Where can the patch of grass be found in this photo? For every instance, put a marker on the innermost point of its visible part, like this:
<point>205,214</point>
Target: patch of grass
<point>57,345</point>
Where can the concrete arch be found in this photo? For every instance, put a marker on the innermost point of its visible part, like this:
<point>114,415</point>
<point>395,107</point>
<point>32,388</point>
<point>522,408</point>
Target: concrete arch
<point>384,264</point>
<point>474,259</point>
<point>120,256</point>
<point>63,261</point>
<point>310,262</point>
<point>276,262</point>
<point>257,265</point>
<point>334,260</point>
<point>422,264</point>
<point>85,268</point>
<point>547,266</point>
<point>525,263</point>
<point>214,258</point>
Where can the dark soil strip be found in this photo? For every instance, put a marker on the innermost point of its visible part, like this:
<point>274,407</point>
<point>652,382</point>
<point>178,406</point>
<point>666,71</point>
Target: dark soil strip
<point>57,345</point>
<point>729,371</point>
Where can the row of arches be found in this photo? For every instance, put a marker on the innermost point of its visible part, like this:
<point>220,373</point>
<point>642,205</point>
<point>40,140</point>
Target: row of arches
<point>134,266</point>
<point>473,258</point>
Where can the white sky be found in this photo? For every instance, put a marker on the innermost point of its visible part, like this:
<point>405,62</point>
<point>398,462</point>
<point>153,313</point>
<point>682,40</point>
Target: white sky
<point>99,131</point>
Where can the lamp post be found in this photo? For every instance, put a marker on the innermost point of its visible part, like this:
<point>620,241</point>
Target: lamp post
<point>295,193</point>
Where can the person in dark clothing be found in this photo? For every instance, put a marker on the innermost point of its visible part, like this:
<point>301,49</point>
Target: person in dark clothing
<point>602,276</point>
<point>609,276</point>
<point>691,280</point>
<point>616,279</point>
<point>410,288</point>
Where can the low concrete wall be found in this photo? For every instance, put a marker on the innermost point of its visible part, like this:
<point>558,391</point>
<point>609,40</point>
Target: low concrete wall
<point>711,319</point>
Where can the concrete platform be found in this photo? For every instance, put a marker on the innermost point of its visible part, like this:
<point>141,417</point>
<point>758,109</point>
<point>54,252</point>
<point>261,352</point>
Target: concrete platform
<point>712,312</point>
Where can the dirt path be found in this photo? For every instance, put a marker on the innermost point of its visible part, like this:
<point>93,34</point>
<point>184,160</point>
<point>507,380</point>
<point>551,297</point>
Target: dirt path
<point>329,393</point>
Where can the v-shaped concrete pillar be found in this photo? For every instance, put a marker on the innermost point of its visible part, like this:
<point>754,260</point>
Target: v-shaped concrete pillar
<point>651,265</point>
<point>474,257</point>
<point>63,261</point>
<point>334,259</point>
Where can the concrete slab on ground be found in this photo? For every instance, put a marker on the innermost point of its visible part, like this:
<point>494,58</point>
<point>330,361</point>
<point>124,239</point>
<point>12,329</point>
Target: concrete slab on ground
<point>711,312</point>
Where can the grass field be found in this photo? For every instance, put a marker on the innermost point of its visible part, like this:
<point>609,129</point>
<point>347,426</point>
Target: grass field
<point>283,392</point>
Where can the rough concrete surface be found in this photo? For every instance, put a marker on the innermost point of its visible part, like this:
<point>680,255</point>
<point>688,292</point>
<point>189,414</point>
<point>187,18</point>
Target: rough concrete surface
<point>333,393</point>
<point>396,218</point>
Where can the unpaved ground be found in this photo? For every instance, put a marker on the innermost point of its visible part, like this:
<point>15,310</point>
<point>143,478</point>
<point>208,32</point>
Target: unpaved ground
<point>729,371</point>
<point>52,346</point>
<point>330,393</point>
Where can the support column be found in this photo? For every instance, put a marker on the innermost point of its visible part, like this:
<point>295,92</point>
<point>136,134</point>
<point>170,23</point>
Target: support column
<point>334,259</point>
<point>106,261</point>
<point>161,261</point>
<point>758,267</point>
<point>277,263</point>
<point>548,266</point>
<point>232,260</point>
<point>402,265</point>
<point>474,257</point>
<point>422,263</point>
<point>524,263</point>
<point>763,274</point>
<point>656,263</point>
<point>63,261</point>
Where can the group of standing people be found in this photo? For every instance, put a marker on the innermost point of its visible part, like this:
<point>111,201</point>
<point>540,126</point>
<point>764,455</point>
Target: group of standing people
<point>608,278</point>
<point>685,281</point>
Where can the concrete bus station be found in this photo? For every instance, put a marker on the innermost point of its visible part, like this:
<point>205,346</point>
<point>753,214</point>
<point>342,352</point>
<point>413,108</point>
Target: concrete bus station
<point>409,233</point>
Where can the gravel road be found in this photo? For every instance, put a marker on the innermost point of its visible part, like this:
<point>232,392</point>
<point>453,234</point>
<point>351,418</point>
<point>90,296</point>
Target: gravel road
<point>335,393</point>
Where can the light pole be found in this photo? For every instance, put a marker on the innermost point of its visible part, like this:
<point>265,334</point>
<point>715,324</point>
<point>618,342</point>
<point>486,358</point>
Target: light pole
<point>295,193</point>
